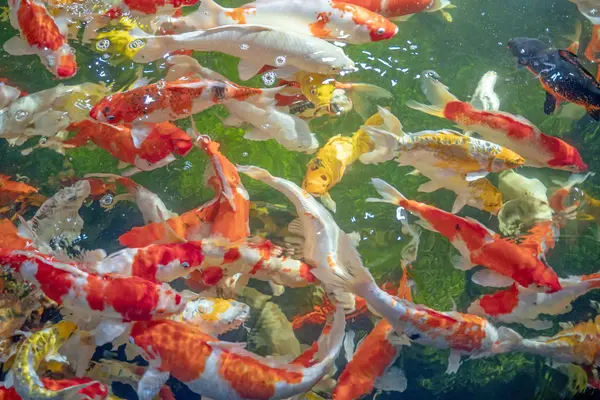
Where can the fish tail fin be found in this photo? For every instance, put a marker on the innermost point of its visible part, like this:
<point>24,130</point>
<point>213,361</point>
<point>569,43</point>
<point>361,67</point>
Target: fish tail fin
<point>438,95</point>
<point>363,95</point>
<point>508,340</point>
<point>388,193</point>
<point>207,15</point>
<point>254,172</point>
<point>574,38</point>
<point>382,146</point>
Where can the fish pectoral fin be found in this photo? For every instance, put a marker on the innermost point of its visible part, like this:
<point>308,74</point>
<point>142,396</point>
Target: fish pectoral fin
<point>473,176</point>
<point>489,278</point>
<point>15,46</point>
<point>414,172</point>
<point>257,134</point>
<point>401,18</point>
<point>108,330</point>
<point>453,362</point>
<point>248,69</point>
<point>428,187</point>
<point>459,203</point>
<point>398,340</point>
<point>232,120</point>
<point>462,263</point>
<point>349,346</point>
<point>139,133</point>
<point>425,225</point>
<point>392,380</point>
<point>550,103</point>
<point>328,202</point>
<point>152,381</point>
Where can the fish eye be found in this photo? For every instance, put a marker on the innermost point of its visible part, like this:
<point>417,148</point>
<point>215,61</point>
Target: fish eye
<point>380,31</point>
<point>324,177</point>
<point>185,264</point>
<point>110,117</point>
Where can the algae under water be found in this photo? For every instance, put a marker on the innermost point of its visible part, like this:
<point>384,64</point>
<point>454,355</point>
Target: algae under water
<point>460,52</point>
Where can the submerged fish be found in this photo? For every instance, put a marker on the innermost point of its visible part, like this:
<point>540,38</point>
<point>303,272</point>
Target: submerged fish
<point>40,35</point>
<point>36,348</point>
<point>257,46</point>
<point>13,194</point>
<point>478,245</point>
<point>560,73</point>
<point>8,94</point>
<point>402,10</point>
<point>214,316</point>
<point>507,130</point>
<point>325,19</point>
<point>213,368</point>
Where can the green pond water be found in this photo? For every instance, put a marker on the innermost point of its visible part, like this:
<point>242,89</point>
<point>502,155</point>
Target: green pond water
<point>460,52</point>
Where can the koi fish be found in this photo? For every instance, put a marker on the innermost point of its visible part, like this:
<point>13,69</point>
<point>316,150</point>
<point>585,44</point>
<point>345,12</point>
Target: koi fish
<point>568,200</point>
<point>13,194</point>
<point>327,168</point>
<point>485,97</point>
<point>374,356</point>
<point>34,350</point>
<point>527,203</point>
<point>578,344</point>
<point>214,316</point>
<point>273,334</point>
<point>561,74</point>
<point>507,130</point>
<point>157,150</point>
<point>450,160</point>
<point>520,305</point>
<point>256,46</point>
<point>402,10</point>
<point>227,214</point>
<point>319,314</point>
<point>40,35</point>
<point>267,121</point>
<point>325,19</point>
<point>219,369</point>
<point>477,244</point>
<point>43,113</point>
<point>592,51</point>
<point>588,9</point>
<point>339,267</point>
<point>93,295</point>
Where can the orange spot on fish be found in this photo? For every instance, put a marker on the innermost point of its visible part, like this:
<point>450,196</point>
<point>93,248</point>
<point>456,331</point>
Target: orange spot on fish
<point>500,303</point>
<point>319,28</point>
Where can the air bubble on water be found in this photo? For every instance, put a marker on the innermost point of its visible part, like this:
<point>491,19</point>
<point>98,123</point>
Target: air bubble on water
<point>266,126</point>
<point>21,115</point>
<point>401,214</point>
<point>280,61</point>
<point>414,47</point>
<point>244,46</point>
<point>188,165</point>
<point>105,56</point>
<point>160,84</point>
<point>245,154</point>
<point>43,140</point>
<point>269,78</point>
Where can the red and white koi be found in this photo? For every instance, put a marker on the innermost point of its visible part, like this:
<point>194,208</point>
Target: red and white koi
<point>325,19</point>
<point>218,369</point>
<point>157,150</point>
<point>507,130</point>
<point>523,306</point>
<point>257,46</point>
<point>374,356</point>
<point>41,35</point>
<point>94,295</point>
<point>401,10</point>
<point>477,244</point>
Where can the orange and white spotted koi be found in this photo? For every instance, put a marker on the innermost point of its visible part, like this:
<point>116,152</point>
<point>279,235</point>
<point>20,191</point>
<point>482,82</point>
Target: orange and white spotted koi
<point>325,19</point>
<point>40,35</point>
<point>164,141</point>
<point>218,369</point>
<point>214,316</point>
<point>507,130</point>
<point>94,295</point>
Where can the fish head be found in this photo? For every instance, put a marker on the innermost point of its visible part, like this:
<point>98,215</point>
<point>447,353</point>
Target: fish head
<point>545,278</point>
<point>110,109</point>
<point>317,180</point>
<point>507,159</point>
<point>524,48</point>
<point>378,27</point>
<point>62,62</point>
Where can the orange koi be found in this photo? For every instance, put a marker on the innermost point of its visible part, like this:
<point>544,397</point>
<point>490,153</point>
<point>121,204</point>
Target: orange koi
<point>401,10</point>
<point>14,193</point>
<point>319,314</point>
<point>40,35</point>
<point>477,244</point>
<point>215,369</point>
<point>507,130</point>
<point>95,391</point>
<point>375,355</point>
<point>157,150</point>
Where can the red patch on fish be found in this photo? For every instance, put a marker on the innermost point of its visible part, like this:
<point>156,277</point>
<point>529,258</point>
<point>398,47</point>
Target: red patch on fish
<point>500,303</point>
<point>319,28</point>
<point>38,27</point>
